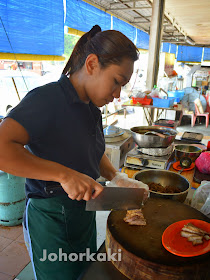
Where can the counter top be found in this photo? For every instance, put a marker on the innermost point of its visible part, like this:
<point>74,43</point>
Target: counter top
<point>188,175</point>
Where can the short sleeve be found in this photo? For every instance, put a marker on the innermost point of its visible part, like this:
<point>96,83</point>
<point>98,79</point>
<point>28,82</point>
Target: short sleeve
<point>36,111</point>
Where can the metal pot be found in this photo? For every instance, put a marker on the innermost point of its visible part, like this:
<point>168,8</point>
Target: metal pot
<point>153,141</point>
<point>189,151</point>
<point>165,178</point>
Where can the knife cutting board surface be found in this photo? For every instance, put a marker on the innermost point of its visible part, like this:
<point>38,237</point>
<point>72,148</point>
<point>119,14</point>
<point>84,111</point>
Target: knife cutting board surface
<point>142,246</point>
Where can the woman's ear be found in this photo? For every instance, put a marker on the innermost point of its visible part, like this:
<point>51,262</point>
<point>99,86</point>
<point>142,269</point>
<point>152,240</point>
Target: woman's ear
<point>91,64</point>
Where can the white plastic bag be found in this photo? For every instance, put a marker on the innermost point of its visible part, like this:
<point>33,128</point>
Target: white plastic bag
<point>138,94</point>
<point>122,180</point>
<point>154,93</point>
<point>201,198</point>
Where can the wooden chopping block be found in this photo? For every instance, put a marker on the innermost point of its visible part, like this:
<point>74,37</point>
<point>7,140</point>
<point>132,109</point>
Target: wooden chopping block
<point>143,255</point>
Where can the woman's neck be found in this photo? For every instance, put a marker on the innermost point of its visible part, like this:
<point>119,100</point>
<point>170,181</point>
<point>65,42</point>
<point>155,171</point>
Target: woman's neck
<point>78,82</point>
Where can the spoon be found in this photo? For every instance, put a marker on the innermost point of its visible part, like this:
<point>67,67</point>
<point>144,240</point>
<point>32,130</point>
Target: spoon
<point>185,162</point>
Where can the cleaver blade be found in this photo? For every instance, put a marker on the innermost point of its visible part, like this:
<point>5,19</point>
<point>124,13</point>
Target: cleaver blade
<point>117,198</point>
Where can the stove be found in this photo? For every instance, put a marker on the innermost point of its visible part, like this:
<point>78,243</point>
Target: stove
<point>156,158</point>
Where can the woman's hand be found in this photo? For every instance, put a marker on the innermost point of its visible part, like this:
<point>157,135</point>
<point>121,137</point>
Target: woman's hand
<point>80,186</point>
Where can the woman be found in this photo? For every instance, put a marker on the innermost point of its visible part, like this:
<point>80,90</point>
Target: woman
<point>61,127</point>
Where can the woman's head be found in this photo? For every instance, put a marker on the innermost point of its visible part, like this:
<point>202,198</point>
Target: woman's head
<point>110,46</point>
<point>100,64</point>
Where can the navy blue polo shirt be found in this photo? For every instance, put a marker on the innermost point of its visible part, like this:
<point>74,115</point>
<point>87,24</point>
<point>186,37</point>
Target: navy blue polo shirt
<point>62,128</point>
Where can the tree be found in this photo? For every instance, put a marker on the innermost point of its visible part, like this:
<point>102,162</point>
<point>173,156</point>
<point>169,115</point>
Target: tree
<point>69,43</point>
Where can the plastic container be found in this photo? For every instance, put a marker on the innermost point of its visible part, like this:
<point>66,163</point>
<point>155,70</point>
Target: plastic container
<point>164,103</point>
<point>143,101</point>
<point>176,93</point>
<point>176,99</point>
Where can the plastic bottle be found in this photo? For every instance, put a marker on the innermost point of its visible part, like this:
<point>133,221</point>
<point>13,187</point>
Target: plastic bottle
<point>155,91</point>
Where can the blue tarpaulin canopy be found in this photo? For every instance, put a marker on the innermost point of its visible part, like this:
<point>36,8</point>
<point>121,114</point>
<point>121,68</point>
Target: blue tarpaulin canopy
<point>83,16</point>
<point>37,27</point>
<point>142,40</point>
<point>33,27</point>
<point>189,54</point>
<point>173,48</point>
<point>168,47</point>
<point>125,28</point>
<point>206,56</point>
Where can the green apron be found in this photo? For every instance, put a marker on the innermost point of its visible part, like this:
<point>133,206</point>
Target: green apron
<point>56,228</point>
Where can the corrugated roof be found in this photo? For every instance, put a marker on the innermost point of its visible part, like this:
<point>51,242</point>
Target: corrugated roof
<point>183,19</point>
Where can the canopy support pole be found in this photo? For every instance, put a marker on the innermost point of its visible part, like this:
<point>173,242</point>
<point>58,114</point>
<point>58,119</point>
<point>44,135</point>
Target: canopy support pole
<point>155,42</point>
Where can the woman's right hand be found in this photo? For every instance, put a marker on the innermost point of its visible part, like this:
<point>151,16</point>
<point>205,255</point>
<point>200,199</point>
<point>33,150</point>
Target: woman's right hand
<point>80,186</point>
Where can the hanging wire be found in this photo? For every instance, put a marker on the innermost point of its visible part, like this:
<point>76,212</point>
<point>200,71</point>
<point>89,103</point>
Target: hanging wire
<point>13,53</point>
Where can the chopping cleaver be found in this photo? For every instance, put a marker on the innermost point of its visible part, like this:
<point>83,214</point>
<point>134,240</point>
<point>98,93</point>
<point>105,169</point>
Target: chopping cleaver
<point>116,198</point>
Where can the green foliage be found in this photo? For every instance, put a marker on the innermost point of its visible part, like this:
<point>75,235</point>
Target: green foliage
<point>69,43</point>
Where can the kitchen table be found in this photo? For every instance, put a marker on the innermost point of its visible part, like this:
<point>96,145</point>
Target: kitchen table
<point>160,110</point>
<point>188,175</point>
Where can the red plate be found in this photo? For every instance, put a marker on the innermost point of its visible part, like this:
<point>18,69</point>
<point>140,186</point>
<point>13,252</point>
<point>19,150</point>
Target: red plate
<point>180,246</point>
<point>177,166</point>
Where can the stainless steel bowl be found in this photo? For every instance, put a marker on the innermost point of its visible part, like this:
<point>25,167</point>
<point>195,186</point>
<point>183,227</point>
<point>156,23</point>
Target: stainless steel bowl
<point>165,178</point>
<point>153,141</point>
<point>189,151</point>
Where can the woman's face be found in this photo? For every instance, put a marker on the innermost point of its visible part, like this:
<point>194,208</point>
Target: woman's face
<point>105,83</point>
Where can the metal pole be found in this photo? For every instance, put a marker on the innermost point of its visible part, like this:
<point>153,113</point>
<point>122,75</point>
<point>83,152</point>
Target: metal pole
<point>155,42</point>
<point>16,88</point>
<point>156,27</point>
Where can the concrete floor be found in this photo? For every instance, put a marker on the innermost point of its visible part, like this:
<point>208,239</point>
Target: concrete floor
<point>135,118</point>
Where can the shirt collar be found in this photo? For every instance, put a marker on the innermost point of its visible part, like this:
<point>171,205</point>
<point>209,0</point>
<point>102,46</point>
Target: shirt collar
<point>71,92</point>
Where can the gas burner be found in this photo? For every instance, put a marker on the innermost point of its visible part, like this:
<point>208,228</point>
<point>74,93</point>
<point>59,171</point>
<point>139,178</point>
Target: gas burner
<point>138,160</point>
<point>157,151</point>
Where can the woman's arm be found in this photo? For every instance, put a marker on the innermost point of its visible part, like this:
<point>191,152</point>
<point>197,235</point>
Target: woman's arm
<point>16,160</point>
<point>107,170</point>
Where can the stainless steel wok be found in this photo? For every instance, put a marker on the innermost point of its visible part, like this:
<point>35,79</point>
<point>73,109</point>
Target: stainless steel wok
<point>153,141</point>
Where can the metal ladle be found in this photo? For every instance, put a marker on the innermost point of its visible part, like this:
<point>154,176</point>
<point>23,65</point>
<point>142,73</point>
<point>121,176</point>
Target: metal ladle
<point>185,162</point>
<point>156,134</point>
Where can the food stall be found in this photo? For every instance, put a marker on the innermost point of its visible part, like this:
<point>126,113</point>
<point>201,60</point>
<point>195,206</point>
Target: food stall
<point>156,250</point>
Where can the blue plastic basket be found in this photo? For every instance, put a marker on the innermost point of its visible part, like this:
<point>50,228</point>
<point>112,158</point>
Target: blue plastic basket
<point>165,103</point>
<point>176,99</point>
<point>176,93</point>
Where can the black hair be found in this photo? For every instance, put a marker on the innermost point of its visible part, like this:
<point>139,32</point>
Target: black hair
<point>110,46</point>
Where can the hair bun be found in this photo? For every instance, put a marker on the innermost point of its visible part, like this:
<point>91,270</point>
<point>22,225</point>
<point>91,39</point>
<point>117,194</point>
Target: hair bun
<point>95,29</point>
